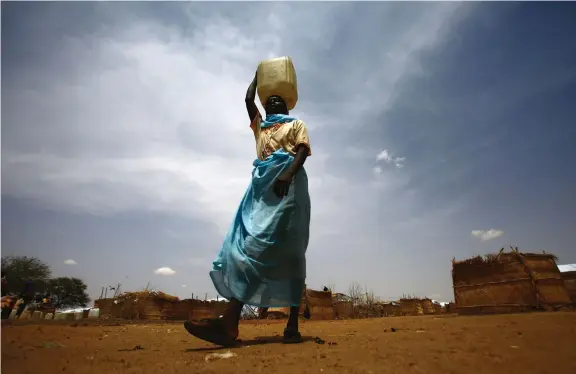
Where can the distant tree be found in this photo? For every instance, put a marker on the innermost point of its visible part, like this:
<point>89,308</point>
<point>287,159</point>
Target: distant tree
<point>355,293</point>
<point>67,292</point>
<point>24,273</point>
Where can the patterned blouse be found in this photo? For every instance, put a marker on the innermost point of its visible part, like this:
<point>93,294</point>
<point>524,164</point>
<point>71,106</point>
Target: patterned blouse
<point>287,135</point>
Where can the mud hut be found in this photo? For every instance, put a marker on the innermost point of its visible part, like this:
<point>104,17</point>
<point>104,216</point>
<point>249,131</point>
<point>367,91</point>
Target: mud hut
<point>105,307</point>
<point>428,306</point>
<point>508,282</point>
<point>343,306</point>
<point>411,306</point>
<point>319,304</point>
<point>391,309</point>
<point>343,310</point>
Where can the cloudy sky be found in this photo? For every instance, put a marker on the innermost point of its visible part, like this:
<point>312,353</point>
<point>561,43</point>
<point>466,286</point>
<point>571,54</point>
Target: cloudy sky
<point>438,130</point>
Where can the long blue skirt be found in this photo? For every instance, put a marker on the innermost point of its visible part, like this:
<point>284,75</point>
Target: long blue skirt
<point>262,261</point>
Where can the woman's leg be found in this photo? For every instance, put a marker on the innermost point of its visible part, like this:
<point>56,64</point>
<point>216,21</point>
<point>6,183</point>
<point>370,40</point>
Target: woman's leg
<point>291,333</point>
<point>293,319</point>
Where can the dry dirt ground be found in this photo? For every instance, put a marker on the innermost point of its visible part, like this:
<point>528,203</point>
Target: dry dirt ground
<point>526,343</point>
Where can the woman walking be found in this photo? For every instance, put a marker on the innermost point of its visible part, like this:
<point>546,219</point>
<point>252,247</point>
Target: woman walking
<point>262,261</point>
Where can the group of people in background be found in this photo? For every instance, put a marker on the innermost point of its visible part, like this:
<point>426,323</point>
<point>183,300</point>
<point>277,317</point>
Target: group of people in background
<point>26,300</point>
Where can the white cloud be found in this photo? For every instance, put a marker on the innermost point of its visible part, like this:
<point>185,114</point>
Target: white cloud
<point>383,156</point>
<point>485,235</point>
<point>70,262</point>
<point>388,158</point>
<point>377,170</point>
<point>184,286</point>
<point>164,271</point>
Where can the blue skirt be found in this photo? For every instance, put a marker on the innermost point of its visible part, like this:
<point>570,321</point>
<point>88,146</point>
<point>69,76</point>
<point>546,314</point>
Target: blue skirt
<point>262,261</point>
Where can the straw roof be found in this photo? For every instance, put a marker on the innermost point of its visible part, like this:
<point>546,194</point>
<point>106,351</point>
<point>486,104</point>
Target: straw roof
<point>500,257</point>
<point>158,295</point>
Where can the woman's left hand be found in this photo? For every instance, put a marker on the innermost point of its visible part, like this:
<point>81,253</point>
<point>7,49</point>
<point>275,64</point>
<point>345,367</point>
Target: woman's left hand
<point>282,184</point>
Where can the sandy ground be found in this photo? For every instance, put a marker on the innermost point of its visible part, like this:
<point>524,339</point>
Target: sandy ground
<point>527,343</point>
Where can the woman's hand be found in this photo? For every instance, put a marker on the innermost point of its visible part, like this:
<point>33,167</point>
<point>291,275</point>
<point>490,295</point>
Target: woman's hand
<point>282,184</point>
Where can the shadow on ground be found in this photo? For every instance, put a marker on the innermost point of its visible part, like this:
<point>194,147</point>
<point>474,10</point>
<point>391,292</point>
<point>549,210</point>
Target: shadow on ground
<point>260,340</point>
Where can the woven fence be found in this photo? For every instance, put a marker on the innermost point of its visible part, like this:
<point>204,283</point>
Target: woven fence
<point>157,306</point>
<point>569,278</point>
<point>320,305</point>
<point>508,282</point>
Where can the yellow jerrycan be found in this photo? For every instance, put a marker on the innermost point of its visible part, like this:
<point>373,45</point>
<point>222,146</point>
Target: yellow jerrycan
<point>277,77</point>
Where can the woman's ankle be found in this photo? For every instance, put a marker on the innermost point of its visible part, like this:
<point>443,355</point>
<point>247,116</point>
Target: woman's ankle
<point>292,325</point>
<point>230,325</point>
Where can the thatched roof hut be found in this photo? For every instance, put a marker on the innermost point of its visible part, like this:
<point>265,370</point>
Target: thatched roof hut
<point>343,310</point>
<point>391,309</point>
<point>508,282</point>
<point>343,306</point>
<point>138,305</point>
<point>340,297</point>
<point>411,306</point>
<point>428,306</point>
<point>152,305</point>
<point>320,304</point>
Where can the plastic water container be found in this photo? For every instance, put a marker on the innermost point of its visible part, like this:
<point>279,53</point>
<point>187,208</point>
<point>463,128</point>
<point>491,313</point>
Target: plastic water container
<point>277,77</point>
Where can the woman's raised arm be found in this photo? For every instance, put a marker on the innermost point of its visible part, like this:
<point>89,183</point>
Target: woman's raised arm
<point>250,97</point>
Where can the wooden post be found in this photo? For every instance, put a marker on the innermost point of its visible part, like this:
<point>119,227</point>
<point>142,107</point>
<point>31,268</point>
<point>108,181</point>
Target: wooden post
<point>117,290</point>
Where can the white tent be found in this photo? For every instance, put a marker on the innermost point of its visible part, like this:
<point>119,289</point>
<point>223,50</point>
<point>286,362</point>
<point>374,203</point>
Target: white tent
<point>566,268</point>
